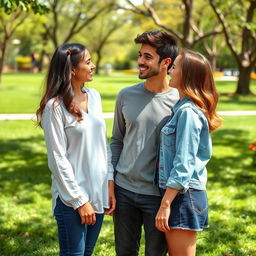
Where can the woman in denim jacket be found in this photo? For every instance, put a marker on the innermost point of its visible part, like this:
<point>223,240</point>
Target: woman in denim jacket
<point>185,149</point>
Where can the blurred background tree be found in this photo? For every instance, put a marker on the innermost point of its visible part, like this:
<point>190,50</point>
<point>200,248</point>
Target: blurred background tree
<point>25,5</point>
<point>222,30</point>
<point>238,21</point>
<point>13,14</point>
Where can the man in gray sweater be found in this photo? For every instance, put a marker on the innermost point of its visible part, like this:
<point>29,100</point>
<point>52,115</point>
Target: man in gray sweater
<point>140,113</point>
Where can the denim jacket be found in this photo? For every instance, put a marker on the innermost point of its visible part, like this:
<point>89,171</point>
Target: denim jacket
<point>185,148</point>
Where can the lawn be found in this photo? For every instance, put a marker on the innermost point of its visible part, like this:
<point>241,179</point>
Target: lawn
<point>28,228</point>
<point>20,93</point>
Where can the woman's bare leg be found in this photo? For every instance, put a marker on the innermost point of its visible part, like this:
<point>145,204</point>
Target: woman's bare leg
<point>181,242</point>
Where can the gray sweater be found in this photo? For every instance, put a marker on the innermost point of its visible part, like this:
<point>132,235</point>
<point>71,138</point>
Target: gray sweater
<point>139,117</point>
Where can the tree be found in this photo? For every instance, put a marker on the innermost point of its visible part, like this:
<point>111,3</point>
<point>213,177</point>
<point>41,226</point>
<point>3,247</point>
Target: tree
<point>25,5</point>
<point>188,33</point>
<point>187,25</point>
<point>238,20</point>
<point>72,17</point>
<point>8,25</point>
<point>101,34</point>
<point>13,14</point>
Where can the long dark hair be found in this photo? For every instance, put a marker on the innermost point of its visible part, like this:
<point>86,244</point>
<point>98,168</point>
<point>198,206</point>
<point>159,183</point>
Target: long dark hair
<point>198,84</point>
<point>58,80</point>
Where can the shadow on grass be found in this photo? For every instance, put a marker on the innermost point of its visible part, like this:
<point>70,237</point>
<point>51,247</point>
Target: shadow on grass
<point>25,164</point>
<point>25,178</point>
<point>238,100</point>
<point>25,182</point>
<point>230,215</point>
<point>33,237</point>
<point>27,227</point>
<point>237,163</point>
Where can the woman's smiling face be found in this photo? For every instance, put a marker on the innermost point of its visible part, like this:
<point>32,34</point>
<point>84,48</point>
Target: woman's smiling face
<point>175,73</point>
<point>84,70</point>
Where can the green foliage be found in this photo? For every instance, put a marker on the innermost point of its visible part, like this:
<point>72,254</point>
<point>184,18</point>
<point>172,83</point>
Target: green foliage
<point>122,64</point>
<point>28,227</point>
<point>10,5</point>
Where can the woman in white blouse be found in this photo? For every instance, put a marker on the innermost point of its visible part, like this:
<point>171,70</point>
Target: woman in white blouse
<point>78,156</point>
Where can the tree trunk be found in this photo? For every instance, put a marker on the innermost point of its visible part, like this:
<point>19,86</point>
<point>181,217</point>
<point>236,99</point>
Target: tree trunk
<point>97,70</point>
<point>41,61</point>
<point>3,52</point>
<point>187,30</point>
<point>243,84</point>
<point>212,60</point>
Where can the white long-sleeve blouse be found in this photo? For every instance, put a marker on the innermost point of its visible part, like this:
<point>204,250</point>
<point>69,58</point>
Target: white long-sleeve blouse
<point>78,155</point>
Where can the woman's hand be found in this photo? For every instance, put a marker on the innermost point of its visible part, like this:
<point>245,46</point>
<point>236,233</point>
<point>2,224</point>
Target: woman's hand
<point>162,217</point>
<point>164,212</point>
<point>87,214</point>
<point>111,198</point>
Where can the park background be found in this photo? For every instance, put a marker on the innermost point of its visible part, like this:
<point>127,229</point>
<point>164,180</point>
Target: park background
<point>225,31</point>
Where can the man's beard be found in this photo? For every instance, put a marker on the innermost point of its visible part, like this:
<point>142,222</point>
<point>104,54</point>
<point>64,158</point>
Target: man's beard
<point>152,73</point>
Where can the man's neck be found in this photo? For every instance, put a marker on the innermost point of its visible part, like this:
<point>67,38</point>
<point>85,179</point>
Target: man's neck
<point>157,84</point>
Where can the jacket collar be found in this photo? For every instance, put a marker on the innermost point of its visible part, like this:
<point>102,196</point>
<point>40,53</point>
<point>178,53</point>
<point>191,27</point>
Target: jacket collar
<point>180,103</point>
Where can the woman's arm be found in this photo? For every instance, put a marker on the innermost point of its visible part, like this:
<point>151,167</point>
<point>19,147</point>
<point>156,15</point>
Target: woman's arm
<point>188,129</point>
<point>164,212</point>
<point>56,143</point>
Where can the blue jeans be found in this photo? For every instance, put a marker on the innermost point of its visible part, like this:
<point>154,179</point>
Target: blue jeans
<point>132,211</point>
<point>75,238</point>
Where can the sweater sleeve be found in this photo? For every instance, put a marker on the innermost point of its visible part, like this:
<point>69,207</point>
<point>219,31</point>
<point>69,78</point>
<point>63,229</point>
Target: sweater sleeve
<point>118,132</point>
<point>56,144</point>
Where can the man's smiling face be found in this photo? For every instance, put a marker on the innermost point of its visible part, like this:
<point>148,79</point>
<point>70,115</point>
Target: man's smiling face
<point>148,62</point>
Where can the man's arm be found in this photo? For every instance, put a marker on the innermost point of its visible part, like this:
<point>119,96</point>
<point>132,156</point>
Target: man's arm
<point>118,131</point>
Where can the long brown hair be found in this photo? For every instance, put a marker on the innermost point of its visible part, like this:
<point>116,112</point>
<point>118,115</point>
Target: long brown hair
<point>198,84</point>
<point>58,80</point>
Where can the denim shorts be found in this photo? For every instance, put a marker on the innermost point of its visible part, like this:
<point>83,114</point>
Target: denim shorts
<point>189,211</point>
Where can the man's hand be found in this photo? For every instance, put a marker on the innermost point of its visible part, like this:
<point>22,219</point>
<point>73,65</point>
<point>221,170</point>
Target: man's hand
<point>111,198</point>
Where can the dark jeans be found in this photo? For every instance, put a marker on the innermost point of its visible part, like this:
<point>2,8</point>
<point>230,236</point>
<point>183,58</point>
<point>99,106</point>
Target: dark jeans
<point>75,238</point>
<point>132,211</point>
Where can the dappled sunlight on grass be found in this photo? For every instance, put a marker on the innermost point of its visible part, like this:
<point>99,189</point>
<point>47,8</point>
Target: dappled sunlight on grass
<point>28,227</point>
<point>25,213</point>
<point>231,191</point>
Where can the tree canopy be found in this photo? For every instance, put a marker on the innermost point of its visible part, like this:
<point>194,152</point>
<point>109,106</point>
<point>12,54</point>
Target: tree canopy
<point>10,5</point>
<point>218,29</point>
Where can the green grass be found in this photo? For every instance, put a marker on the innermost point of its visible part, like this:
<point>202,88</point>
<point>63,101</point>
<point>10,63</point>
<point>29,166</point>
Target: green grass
<point>235,102</point>
<point>28,227</point>
<point>21,92</point>
<point>26,223</point>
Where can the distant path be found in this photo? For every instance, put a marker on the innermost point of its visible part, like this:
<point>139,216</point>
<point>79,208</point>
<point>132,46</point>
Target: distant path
<point>32,116</point>
<point>111,115</point>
